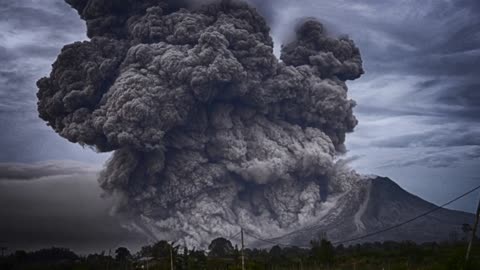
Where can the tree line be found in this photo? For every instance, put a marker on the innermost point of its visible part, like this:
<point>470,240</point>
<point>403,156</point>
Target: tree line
<point>223,255</point>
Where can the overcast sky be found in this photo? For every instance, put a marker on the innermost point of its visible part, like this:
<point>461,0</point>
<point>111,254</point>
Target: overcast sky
<point>418,107</point>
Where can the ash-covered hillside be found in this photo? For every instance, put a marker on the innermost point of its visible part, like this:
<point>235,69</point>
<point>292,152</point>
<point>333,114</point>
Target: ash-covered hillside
<point>378,203</point>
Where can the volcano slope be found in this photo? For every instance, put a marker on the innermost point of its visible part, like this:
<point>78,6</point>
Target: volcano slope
<point>375,204</point>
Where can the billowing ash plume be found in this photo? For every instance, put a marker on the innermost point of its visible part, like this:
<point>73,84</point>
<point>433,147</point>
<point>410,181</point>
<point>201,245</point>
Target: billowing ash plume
<point>209,129</point>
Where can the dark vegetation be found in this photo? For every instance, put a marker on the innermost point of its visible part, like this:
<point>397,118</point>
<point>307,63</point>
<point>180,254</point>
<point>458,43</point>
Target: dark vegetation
<point>223,255</point>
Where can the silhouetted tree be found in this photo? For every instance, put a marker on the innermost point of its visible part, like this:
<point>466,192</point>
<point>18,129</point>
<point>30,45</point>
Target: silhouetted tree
<point>323,252</point>
<point>161,250</point>
<point>53,255</point>
<point>122,254</point>
<point>21,255</point>
<point>197,260</point>
<point>220,247</point>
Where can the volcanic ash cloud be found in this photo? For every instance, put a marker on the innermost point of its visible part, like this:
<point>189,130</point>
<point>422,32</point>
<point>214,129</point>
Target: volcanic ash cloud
<point>209,130</point>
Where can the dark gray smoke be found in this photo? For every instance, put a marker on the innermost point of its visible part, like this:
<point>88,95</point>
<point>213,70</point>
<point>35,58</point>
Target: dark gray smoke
<point>209,129</point>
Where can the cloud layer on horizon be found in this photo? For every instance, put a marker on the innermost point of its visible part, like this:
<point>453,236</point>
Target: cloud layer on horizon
<point>45,169</point>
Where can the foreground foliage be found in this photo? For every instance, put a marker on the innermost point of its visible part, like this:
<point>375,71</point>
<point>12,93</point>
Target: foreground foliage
<point>223,255</point>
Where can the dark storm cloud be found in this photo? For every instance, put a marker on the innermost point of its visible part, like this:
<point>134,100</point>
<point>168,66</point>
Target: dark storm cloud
<point>46,169</point>
<point>442,137</point>
<point>457,97</point>
<point>441,98</point>
<point>15,92</point>
<point>446,50</point>
<point>191,100</point>
<point>267,8</point>
<point>446,158</point>
<point>436,40</point>
<point>20,16</point>
<point>5,55</point>
<point>27,43</point>
<point>462,95</point>
<point>31,35</point>
<point>392,112</point>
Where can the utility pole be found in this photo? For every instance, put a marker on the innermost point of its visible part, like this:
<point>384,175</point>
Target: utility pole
<point>171,256</point>
<point>108,258</point>
<point>474,230</point>
<point>243,256</point>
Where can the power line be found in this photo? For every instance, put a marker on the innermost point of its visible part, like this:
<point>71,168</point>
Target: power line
<point>474,230</point>
<point>243,254</point>
<point>369,234</point>
<point>269,241</point>
<point>236,235</point>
